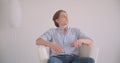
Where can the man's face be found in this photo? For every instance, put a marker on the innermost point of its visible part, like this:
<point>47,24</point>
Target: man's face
<point>63,19</point>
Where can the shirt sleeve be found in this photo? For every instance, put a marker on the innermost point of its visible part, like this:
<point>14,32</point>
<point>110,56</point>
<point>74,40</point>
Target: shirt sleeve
<point>46,36</point>
<point>82,35</point>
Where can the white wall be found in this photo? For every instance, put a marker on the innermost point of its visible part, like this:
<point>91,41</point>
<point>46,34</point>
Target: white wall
<point>98,18</point>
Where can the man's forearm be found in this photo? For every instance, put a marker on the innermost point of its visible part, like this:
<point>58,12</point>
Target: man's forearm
<point>43,42</point>
<point>87,41</point>
<point>54,46</point>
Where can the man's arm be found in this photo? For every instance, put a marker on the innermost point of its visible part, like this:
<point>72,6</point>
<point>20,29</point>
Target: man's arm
<point>42,42</point>
<point>86,41</point>
<point>82,39</point>
<point>52,45</point>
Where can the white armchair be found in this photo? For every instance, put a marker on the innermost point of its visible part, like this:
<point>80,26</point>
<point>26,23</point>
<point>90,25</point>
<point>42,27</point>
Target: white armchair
<point>85,51</point>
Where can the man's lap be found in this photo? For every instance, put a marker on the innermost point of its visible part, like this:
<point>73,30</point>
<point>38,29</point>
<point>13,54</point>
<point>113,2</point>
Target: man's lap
<point>70,59</point>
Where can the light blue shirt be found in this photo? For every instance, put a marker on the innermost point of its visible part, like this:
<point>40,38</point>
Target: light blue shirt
<point>65,41</point>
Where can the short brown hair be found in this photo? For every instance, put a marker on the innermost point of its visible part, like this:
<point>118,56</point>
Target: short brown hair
<point>56,16</point>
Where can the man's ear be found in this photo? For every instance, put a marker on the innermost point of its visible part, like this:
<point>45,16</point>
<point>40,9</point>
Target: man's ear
<point>56,20</point>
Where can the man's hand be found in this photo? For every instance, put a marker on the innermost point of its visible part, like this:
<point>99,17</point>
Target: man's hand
<point>56,48</point>
<point>79,42</point>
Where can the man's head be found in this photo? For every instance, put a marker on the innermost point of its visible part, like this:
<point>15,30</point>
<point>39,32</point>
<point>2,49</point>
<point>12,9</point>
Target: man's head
<point>60,18</point>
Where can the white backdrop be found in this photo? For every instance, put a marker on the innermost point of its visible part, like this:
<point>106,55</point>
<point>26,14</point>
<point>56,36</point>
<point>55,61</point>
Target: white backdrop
<point>97,18</point>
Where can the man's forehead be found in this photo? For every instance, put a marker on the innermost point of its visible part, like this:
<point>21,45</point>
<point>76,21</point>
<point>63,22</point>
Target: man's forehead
<point>63,13</point>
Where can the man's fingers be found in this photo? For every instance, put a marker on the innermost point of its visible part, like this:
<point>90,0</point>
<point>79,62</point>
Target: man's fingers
<point>74,44</point>
<point>58,49</point>
<point>77,44</point>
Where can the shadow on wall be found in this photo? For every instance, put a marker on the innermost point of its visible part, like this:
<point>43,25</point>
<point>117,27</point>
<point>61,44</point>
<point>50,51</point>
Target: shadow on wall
<point>10,14</point>
<point>4,15</point>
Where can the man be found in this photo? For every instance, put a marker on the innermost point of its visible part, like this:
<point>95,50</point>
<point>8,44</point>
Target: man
<point>64,41</point>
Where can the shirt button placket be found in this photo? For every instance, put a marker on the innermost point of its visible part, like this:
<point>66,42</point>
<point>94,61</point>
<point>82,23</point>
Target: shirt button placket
<point>64,44</point>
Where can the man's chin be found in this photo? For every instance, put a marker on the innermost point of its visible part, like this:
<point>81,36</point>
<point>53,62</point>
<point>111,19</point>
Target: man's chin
<point>66,25</point>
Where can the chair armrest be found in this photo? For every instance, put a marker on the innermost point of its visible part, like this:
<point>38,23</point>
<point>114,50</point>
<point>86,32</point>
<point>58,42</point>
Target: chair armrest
<point>89,51</point>
<point>43,52</point>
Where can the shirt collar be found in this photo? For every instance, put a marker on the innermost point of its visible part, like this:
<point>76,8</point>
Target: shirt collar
<point>62,29</point>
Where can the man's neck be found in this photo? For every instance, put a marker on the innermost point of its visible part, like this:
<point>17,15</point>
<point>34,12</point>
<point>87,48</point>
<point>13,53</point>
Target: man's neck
<point>64,28</point>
